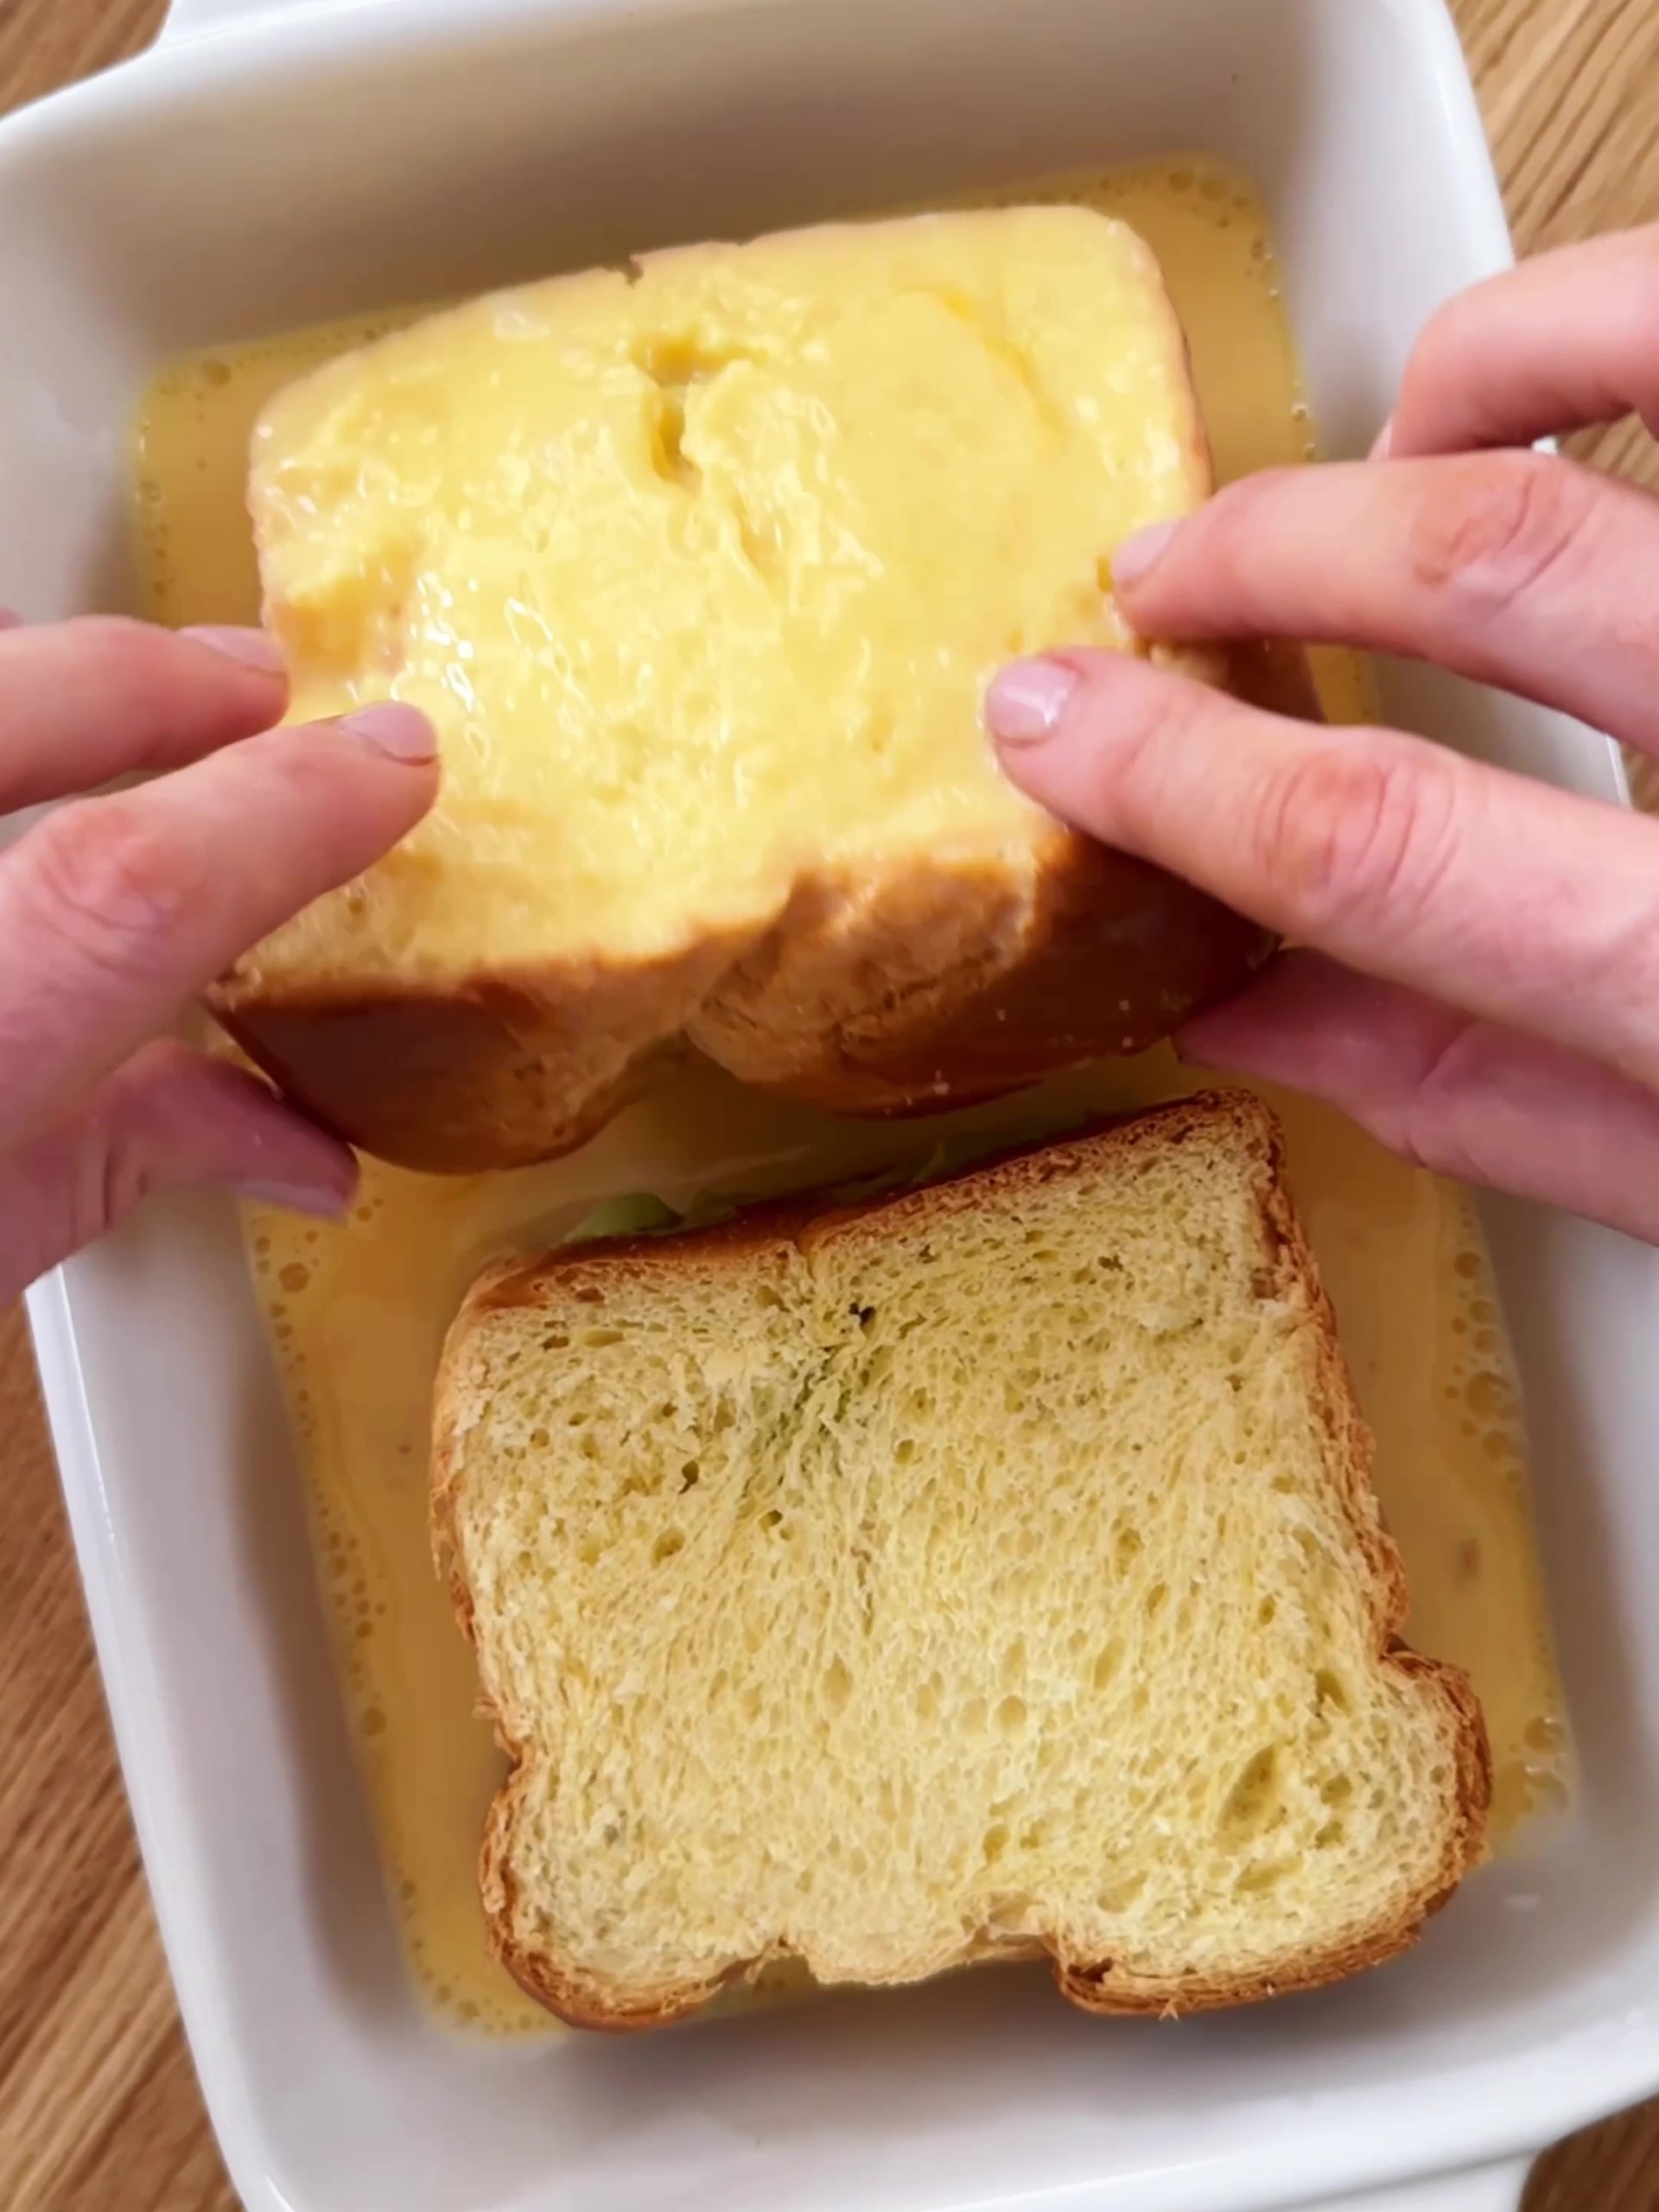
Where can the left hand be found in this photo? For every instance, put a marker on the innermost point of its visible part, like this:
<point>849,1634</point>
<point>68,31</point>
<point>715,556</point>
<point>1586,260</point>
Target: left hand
<point>116,910</point>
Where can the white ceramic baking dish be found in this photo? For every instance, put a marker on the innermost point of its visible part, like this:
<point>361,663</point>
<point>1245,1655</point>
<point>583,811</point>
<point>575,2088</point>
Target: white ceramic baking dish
<point>268,166</point>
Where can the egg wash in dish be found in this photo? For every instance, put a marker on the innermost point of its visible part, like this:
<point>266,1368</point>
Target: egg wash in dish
<point>358,1313</point>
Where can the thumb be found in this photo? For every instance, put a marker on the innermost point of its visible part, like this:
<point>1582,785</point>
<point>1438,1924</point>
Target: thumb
<point>168,1116</point>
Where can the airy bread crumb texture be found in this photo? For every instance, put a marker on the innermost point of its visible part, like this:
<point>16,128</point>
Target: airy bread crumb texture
<point>989,1572</point>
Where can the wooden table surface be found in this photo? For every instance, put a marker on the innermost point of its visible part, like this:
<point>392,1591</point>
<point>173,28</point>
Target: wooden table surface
<point>99,2107</point>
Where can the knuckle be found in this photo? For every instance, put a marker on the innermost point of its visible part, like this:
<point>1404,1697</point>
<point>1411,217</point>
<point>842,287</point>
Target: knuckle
<point>1135,773</point>
<point>1441,346</point>
<point>1426,1126</point>
<point>1229,528</point>
<point>110,1178</point>
<point>123,1153</point>
<point>1645,309</point>
<point>1639,270</point>
<point>1492,528</point>
<point>128,660</point>
<point>1355,832</point>
<point>329,805</point>
<point>103,882</point>
<point>1411,1132</point>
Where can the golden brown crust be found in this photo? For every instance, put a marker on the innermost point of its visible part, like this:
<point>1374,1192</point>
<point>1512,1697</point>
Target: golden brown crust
<point>567,1997</point>
<point>1104,955</point>
<point>1112,955</point>
<point>955,985</point>
<point>956,982</point>
<point>1101,1987</point>
<point>1094,1986</point>
<point>509,1070</point>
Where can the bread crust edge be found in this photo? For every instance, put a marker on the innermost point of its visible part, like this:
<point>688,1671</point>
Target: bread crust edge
<point>908,991</point>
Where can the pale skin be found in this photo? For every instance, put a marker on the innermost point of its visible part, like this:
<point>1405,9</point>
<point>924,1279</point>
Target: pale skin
<point>1480,980</point>
<point>116,911</point>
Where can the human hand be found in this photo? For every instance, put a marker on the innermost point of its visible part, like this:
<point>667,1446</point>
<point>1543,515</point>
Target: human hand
<point>116,910</point>
<point>1480,988</point>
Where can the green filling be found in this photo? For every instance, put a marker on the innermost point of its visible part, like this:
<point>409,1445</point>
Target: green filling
<point>642,1213</point>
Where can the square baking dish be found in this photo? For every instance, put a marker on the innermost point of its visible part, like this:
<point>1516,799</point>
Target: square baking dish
<point>267,167</point>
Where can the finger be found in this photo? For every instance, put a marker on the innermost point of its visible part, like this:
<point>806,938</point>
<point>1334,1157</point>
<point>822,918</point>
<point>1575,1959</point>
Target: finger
<point>1515,570</point>
<point>84,702</point>
<point>1564,341</point>
<point>1461,1097</point>
<point>116,911</point>
<point>1512,900</point>
<point>169,1117</point>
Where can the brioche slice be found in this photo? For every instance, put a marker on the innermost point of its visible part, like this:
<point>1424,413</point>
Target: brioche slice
<point>700,567</point>
<point>990,1571</point>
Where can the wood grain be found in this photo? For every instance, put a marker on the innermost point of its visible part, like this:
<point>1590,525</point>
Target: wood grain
<point>99,2107</point>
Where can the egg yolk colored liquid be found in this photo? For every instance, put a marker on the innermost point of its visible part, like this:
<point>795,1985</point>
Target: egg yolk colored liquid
<point>356,1313</point>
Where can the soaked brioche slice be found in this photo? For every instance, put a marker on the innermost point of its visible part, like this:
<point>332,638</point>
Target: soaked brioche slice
<point>700,568</point>
<point>993,1571</point>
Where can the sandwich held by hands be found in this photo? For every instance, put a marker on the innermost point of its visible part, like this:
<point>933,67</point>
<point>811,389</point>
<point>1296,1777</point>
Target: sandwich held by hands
<point>1512,1043</point>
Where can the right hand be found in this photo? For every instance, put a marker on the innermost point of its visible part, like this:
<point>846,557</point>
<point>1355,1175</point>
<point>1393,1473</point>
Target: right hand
<point>1481,985</point>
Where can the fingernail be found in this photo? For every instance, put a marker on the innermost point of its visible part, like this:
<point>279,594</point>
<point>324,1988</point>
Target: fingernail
<point>298,1197</point>
<point>1384,438</point>
<point>1026,700</point>
<point>1136,554</point>
<point>401,732</point>
<point>253,648</point>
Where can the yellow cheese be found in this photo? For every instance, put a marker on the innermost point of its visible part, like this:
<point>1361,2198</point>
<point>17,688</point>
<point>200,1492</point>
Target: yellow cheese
<point>701,566</point>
